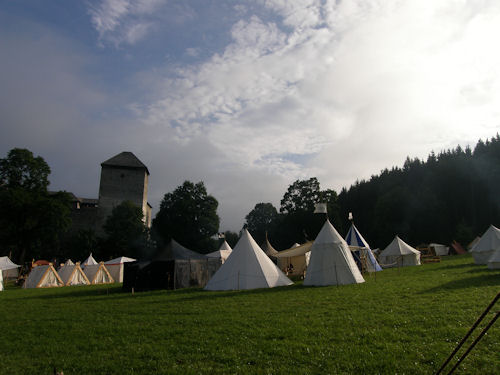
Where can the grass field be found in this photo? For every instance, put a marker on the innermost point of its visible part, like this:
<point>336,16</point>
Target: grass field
<point>403,321</point>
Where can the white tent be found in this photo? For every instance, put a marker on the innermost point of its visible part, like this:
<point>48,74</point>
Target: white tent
<point>69,262</point>
<point>439,249</point>
<point>43,277</point>
<point>486,246</point>
<point>248,267</point>
<point>89,261</point>
<point>98,274</point>
<point>115,267</point>
<point>399,253</point>
<point>223,252</point>
<point>362,251</point>
<point>73,275</point>
<point>494,262</point>
<point>8,268</point>
<point>294,261</point>
<point>1,282</point>
<point>331,261</point>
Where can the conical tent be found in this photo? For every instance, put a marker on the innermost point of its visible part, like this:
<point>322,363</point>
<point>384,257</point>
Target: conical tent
<point>98,274</point>
<point>486,246</point>
<point>331,261</point>
<point>223,252</point>
<point>89,261</point>
<point>116,267</point>
<point>248,267</point>
<point>362,251</point>
<point>399,253</point>
<point>43,277</point>
<point>73,275</point>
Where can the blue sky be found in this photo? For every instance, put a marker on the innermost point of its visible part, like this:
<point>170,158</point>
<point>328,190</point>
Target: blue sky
<point>245,96</point>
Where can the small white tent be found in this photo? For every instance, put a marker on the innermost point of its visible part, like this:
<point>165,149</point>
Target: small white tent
<point>223,252</point>
<point>331,261</point>
<point>73,275</point>
<point>486,246</point>
<point>399,254</point>
<point>294,261</point>
<point>43,277</point>
<point>439,249</point>
<point>90,261</point>
<point>98,274</point>
<point>248,267</point>
<point>8,268</point>
<point>115,267</point>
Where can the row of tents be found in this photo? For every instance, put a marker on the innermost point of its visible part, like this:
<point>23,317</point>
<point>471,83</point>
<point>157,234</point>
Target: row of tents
<point>44,275</point>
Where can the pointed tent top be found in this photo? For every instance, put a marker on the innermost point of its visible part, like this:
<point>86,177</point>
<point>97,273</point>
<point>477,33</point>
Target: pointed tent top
<point>89,261</point>
<point>69,262</point>
<point>328,234</point>
<point>120,260</point>
<point>490,240</point>
<point>225,246</point>
<point>125,159</point>
<point>7,264</point>
<point>355,239</point>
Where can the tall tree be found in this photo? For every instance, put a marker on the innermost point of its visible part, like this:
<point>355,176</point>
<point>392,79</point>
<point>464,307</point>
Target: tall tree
<point>32,220</point>
<point>126,232</point>
<point>189,215</point>
<point>261,220</point>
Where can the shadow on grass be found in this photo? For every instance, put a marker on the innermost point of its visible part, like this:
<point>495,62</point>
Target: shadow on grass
<point>470,282</point>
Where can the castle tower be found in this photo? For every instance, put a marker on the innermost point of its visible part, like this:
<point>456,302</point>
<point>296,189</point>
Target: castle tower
<point>124,177</point>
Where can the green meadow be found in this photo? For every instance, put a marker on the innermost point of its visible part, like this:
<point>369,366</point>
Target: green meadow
<point>404,321</point>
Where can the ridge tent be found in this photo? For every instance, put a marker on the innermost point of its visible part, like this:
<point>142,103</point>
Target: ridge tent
<point>223,252</point>
<point>73,275</point>
<point>486,246</point>
<point>115,267</point>
<point>69,262</point>
<point>331,261</point>
<point>89,261</point>
<point>248,267</point>
<point>399,254</point>
<point>363,255</point>
<point>294,261</point>
<point>44,276</point>
<point>8,269</point>
<point>98,274</point>
<point>439,249</point>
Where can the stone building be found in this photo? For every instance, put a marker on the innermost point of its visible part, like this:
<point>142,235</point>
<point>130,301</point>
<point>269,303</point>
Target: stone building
<point>123,177</point>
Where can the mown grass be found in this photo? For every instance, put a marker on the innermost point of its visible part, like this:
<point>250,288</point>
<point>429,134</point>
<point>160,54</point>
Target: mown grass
<point>403,321</point>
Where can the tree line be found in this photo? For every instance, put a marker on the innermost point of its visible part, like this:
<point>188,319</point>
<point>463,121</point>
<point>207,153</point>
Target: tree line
<point>450,196</point>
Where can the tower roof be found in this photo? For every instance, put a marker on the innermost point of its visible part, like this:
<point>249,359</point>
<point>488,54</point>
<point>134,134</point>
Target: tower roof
<point>125,159</point>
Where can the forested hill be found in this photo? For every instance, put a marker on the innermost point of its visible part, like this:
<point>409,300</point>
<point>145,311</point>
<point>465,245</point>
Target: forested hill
<point>454,195</point>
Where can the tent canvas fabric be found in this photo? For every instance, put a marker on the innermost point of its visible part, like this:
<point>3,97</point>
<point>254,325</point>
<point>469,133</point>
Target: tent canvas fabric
<point>486,246</point>
<point>73,275</point>
<point>174,250</point>
<point>1,282</point>
<point>269,250</point>
<point>8,268</point>
<point>294,261</point>
<point>43,277</point>
<point>440,250</point>
<point>98,274</point>
<point>494,261</point>
<point>363,254</point>
<point>399,254</point>
<point>248,267</point>
<point>69,262</point>
<point>89,261</point>
<point>223,252</point>
<point>331,260</point>
<point>115,267</point>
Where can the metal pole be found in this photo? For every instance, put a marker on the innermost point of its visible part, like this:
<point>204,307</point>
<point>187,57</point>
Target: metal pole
<point>483,332</point>
<point>488,308</point>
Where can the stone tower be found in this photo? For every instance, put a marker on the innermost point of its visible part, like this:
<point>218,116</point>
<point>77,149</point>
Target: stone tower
<point>124,177</point>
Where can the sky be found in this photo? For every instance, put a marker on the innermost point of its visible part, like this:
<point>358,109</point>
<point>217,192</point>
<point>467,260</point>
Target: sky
<point>246,96</point>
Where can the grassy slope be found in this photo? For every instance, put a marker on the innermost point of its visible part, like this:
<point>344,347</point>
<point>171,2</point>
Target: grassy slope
<point>405,321</point>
